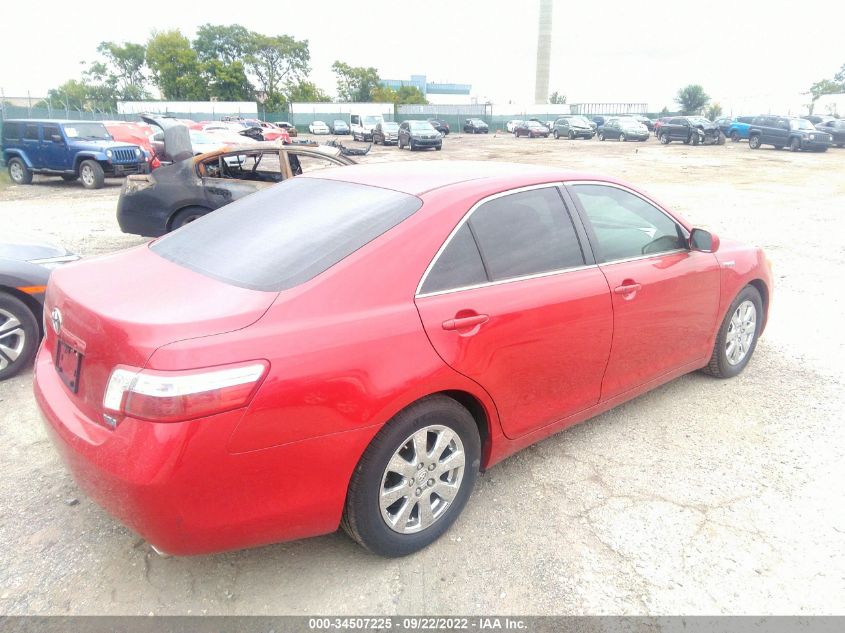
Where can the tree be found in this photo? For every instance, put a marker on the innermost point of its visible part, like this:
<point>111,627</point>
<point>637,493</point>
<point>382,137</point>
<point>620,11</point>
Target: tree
<point>714,111</point>
<point>227,82</point>
<point>123,70</point>
<point>306,92</point>
<point>71,94</point>
<point>692,99</point>
<point>175,66</point>
<point>355,83</point>
<point>556,97</point>
<point>410,94</point>
<point>383,94</point>
<point>277,62</point>
<point>228,44</point>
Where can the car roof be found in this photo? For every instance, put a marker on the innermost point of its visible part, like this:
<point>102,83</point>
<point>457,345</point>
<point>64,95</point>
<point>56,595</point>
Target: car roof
<point>419,177</point>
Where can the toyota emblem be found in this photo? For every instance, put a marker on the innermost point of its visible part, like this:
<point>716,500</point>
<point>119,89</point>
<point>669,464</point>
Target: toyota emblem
<point>56,320</point>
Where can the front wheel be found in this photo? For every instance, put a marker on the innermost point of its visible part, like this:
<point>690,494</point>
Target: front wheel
<point>91,174</point>
<point>737,336</point>
<point>601,136</point>
<point>795,145</point>
<point>556,135</point>
<point>414,478</point>
<point>754,142</point>
<point>622,138</point>
<point>664,139</point>
<point>19,172</point>
<point>735,136</point>
<point>571,135</point>
<point>19,335</point>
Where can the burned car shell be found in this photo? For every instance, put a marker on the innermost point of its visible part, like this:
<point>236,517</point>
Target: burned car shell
<point>150,205</point>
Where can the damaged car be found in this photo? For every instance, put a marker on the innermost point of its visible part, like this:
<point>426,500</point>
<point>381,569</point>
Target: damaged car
<point>690,130</point>
<point>175,195</point>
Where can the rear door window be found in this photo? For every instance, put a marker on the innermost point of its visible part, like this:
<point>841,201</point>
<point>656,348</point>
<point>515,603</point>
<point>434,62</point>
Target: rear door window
<point>525,233</point>
<point>286,235</point>
<point>31,133</point>
<point>459,265</point>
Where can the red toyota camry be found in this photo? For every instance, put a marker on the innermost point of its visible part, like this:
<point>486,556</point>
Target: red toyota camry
<point>351,347</point>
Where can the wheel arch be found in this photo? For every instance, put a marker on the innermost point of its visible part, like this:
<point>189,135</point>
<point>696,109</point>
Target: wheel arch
<point>9,154</point>
<point>763,289</point>
<point>34,306</point>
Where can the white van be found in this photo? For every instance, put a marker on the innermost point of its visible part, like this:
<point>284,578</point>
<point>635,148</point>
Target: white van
<point>362,125</point>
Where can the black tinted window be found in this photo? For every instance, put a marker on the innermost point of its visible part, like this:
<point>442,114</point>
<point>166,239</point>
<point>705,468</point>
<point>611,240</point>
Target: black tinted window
<point>526,233</point>
<point>50,131</point>
<point>285,235</point>
<point>458,266</point>
<point>11,131</point>
<point>626,225</point>
<point>31,133</point>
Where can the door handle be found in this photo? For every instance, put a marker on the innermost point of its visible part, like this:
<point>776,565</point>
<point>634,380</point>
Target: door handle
<point>463,323</point>
<point>627,288</point>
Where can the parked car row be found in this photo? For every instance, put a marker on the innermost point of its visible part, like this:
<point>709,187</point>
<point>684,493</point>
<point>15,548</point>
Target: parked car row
<point>413,134</point>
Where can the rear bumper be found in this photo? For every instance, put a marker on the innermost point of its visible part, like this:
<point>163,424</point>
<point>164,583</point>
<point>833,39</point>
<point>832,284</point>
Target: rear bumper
<point>179,487</point>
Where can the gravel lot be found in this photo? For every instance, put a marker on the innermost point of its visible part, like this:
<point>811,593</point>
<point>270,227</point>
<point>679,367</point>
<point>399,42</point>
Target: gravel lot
<point>702,497</point>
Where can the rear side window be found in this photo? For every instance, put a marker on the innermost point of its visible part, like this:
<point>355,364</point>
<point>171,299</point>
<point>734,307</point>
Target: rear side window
<point>287,234</point>
<point>31,133</point>
<point>11,131</point>
<point>525,233</point>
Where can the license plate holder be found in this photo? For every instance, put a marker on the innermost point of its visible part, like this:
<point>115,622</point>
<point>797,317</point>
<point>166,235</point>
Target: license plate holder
<point>68,365</point>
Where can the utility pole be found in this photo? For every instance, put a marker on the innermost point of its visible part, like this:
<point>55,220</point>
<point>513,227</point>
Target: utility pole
<point>544,52</point>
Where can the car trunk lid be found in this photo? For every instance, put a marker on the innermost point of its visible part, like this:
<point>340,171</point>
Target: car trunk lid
<point>115,320</point>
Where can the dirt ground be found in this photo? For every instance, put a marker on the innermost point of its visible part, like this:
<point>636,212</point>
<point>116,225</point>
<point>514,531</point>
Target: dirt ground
<point>702,497</point>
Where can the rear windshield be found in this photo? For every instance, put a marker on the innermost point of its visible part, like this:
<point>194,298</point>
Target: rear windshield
<point>285,235</point>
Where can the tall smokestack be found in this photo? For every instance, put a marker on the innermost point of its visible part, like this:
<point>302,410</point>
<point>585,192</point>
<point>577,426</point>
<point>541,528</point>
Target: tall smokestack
<point>544,53</point>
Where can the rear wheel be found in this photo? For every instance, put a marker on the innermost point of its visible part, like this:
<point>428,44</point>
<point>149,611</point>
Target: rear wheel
<point>735,136</point>
<point>414,478</point>
<point>19,172</point>
<point>19,335</point>
<point>601,136</point>
<point>91,174</point>
<point>186,216</point>
<point>411,145</point>
<point>571,135</point>
<point>556,134</point>
<point>622,138</point>
<point>737,336</point>
<point>721,139</point>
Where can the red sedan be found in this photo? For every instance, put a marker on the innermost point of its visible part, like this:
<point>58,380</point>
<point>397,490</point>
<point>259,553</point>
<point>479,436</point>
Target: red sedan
<point>350,347</point>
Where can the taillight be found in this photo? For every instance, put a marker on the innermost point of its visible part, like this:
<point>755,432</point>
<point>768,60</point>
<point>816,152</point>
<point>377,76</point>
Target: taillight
<point>176,396</point>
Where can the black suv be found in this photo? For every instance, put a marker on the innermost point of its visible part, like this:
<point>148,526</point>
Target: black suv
<point>475,126</point>
<point>783,131</point>
<point>693,130</point>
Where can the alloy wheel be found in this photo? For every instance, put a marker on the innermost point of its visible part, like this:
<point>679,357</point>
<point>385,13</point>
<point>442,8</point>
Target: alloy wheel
<point>422,479</point>
<point>87,175</point>
<point>16,171</point>
<point>741,332</point>
<point>12,338</point>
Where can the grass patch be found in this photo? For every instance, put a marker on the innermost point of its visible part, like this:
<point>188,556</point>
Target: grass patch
<point>5,182</point>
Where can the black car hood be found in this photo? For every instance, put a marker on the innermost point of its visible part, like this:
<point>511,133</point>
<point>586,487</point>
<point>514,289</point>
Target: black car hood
<point>177,137</point>
<point>25,249</point>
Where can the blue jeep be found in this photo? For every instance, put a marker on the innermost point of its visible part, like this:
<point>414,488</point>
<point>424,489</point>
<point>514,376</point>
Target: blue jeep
<point>70,149</point>
<point>738,129</point>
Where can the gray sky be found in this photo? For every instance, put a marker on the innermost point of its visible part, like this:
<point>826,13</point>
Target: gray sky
<point>750,56</point>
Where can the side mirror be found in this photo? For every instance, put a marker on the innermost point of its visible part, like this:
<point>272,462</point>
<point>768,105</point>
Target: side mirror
<point>704,241</point>
<point>57,138</point>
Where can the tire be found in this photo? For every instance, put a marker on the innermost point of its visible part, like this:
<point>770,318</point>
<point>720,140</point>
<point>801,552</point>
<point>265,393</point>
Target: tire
<point>694,139</point>
<point>69,178</point>
<point>19,172</point>
<point>186,216</point>
<point>438,147</point>
<point>735,136</point>
<point>19,335</point>
<point>364,518</point>
<point>778,146</point>
<point>720,365</point>
<point>721,140</point>
<point>515,134</point>
<point>601,136</point>
<point>91,174</point>
<point>556,134</point>
<point>622,137</point>
<point>795,145</point>
<point>411,145</point>
<point>571,135</point>
<point>754,141</point>
<point>664,139</point>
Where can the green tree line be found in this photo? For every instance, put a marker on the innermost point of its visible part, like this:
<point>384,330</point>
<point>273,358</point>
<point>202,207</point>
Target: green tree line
<point>224,63</point>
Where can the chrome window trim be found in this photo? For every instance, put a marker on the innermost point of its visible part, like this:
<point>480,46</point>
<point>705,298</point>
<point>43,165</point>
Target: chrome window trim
<point>614,185</point>
<point>550,273</point>
<point>418,293</point>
